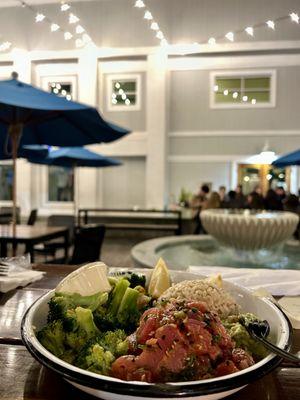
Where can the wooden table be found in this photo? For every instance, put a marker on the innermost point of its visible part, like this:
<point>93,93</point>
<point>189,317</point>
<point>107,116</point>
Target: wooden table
<point>24,378</point>
<point>31,236</point>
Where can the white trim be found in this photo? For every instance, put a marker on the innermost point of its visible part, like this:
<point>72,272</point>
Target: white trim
<point>239,74</point>
<point>129,77</point>
<point>185,134</point>
<point>225,62</point>
<point>121,67</point>
<point>207,158</point>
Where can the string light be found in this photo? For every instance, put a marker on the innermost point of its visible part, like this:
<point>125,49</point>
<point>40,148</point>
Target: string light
<point>154,26</point>
<point>65,6</point>
<point>226,92</point>
<point>68,35</point>
<point>148,15</point>
<point>73,19</point>
<point>235,95</point>
<point>245,98</point>
<point>253,101</point>
<point>294,17</point>
<point>230,36</point>
<point>79,29</point>
<point>5,46</point>
<point>54,27</point>
<point>121,93</point>
<point>211,41</point>
<point>249,30</point>
<point>216,88</point>
<point>139,4</point>
<point>39,17</point>
<point>271,24</point>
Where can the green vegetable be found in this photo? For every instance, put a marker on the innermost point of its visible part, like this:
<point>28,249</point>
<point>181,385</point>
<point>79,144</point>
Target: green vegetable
<point>242,338</point>
<point>100,352</point>
<point>52,337</point>
<point>122,309</point>
<point>60,303</point>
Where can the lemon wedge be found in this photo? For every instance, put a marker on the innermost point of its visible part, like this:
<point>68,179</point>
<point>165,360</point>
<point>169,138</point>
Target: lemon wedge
<point>160,279</point>
<point>216,280</point>
<point>86,280</point>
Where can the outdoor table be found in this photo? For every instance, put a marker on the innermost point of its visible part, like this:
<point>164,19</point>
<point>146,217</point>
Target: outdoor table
<point>31,236</point>
<point>24,378</point>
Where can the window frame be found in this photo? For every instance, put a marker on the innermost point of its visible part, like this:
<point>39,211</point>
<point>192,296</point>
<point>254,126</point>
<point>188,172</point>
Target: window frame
<point>249,73</point>
<point>128,77</point>
<point>62,79</point>
<point>6,202</point>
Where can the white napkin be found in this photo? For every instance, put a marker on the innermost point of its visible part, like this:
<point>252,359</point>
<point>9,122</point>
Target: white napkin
<point>284,282</point>
<point>16,279</point>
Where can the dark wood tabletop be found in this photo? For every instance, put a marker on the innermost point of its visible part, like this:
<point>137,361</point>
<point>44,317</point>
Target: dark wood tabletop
<point>24,378</point>
<point>31,236</point>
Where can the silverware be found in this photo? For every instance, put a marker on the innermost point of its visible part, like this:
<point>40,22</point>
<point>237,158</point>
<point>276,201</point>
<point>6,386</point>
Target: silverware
<point>259,330</point>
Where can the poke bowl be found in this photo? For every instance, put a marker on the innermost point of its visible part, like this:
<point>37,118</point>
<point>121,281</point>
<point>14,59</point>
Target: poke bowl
<point>211,388</point>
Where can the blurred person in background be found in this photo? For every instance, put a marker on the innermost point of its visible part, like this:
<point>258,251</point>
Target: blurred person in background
<point>222,194</point>
<point>280,193</point>
<point>214,201</point>
<point>272,201</point>
<point>291,204</point>
<point>255,201</point>
<point>196,205</point>
<point>240,198</point>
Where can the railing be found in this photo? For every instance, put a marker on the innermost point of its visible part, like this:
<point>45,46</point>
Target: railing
<point>171,220</point>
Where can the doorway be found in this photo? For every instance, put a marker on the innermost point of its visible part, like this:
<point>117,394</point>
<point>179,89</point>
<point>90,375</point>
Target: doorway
<point>264,175</point>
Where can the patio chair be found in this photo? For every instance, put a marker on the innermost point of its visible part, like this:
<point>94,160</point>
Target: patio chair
<point>87,244</point>
<point>32,217</point>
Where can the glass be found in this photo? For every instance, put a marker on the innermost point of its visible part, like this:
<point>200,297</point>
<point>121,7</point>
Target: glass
<point>257,83</point>
<point>61,89</point>
<point>60,184</point>
<point>6,182</point>
<point>228,83</point>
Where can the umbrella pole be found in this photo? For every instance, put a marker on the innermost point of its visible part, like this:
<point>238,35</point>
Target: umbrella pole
<point>15,131</point>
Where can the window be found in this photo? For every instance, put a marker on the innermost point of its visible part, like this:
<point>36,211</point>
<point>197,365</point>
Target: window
<point>124,92</point>
<point>63,85</point>
<point>60,184</point>
<point>6,182</point>
<point>61,89</point>
<point>242,89</point>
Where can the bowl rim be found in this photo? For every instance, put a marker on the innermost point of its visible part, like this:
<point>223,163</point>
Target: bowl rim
<point>144,389</point>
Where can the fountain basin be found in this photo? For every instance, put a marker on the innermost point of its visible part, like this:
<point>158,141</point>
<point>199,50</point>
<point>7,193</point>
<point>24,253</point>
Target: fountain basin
<point>180,252</point>
<point>249,230</point>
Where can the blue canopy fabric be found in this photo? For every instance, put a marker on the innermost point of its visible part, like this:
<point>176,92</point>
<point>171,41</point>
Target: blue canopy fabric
<point>288,159</point>
<point>75,157</point>
<point>49,119</point>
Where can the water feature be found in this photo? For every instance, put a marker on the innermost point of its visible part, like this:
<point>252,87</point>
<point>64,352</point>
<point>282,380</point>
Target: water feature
<point>249,240</point>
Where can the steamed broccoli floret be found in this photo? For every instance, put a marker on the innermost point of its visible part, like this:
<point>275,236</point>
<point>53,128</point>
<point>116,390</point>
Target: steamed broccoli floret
<point>96,359</point>
<point>52,337</point>
<point>136,280</point>
<point>84,328</point>
<point>62,302</point>
<point>99,352</point>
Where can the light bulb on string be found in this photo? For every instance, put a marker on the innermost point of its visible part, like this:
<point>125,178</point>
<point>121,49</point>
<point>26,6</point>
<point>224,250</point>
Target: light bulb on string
<point>54,27</point>
<point>211,41</point>
<point>249,30</point>
<point>253,101</point>
<point>160,35</point>
<point>230,36</point>
<point>148,15</point>
<point>139,4</point>
<point>64,6</point>
<point>245,98</point>
<point>226,92</point>
<point>39,17</point>
<point>68,35</point>
<point>154,26</point>
<point>271,24</point>
<point>235,95</point>
<point>216,88</point>
<point>73,19</point>
<point>294,17</point>
<point>79,43</point>
<point>79,29</point>
<point>164,42</point>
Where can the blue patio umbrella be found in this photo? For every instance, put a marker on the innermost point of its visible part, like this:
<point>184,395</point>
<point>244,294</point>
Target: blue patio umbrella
<point>288,159</point>
<point>73,157</point>
<point>29,115</point>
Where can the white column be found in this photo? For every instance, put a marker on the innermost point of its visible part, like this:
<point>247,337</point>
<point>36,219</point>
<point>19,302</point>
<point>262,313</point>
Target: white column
<point>87,93</point>
<point>22,65</point>
<point>233,181</point>
<point>156,165</point>
<point>294,186</point>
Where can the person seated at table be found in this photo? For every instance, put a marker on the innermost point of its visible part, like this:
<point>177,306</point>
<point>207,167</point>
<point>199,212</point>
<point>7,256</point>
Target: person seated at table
<point>291,204</point>
<point>196,205</point>
<point>240,198</point>
<point>272,201</point>
<point>255,201</point>
<point>214,201</point>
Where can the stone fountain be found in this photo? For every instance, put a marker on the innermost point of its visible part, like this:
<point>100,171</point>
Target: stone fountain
<point>247,229</point>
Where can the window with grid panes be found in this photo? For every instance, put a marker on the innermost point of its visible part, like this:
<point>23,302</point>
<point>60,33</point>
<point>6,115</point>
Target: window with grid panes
<point>243,90</point>
<point>124,92</point>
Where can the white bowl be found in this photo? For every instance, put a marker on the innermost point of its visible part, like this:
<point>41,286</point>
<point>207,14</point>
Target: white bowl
<point>109,388</point>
